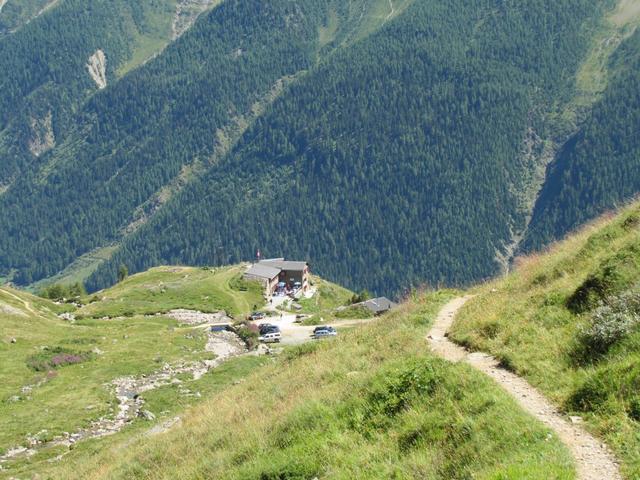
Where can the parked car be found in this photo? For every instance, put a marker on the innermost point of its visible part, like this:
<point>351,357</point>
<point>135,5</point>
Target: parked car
<point>268,328</point>
<point>323,327</point>
<point>257,316</point>
<point>323,333</point>
<point>272,337</point>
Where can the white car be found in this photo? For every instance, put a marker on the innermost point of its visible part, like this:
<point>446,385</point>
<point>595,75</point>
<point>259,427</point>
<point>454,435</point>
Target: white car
<point>324,333</point>
<point>273,337</point>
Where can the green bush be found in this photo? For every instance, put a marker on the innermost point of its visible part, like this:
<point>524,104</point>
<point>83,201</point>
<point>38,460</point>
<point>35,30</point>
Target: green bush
<point>249,334</point>
<point>615,275</point>
<point>239,284</point>
<point>300,350</point>
<point>609,323</point>
<point>58,292</point>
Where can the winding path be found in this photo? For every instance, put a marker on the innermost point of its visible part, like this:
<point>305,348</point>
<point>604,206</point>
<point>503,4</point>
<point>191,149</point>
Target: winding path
<point>27,305</point>
<point>594,461</point>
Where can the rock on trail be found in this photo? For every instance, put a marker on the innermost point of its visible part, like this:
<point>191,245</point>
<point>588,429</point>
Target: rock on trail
<point>594,460</point>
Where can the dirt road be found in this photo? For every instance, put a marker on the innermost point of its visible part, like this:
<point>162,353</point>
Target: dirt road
<point>594,461</point>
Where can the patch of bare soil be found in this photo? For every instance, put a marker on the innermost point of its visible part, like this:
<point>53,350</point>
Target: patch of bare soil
<point>194,317</point>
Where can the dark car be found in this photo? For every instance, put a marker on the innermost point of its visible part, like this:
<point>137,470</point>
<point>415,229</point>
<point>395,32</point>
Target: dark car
<point>265,328</point>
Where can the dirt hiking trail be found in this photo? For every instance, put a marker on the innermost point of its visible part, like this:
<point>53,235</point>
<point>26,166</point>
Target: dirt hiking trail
<point>594,460</point>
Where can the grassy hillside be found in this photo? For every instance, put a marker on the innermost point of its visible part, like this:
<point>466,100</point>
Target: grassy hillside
<point>569,321</point>
<point>57,374</point>
<point>372,404</point>
<point>165,288</point>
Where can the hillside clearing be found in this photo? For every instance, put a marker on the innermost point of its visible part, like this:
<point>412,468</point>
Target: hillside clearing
<point>162,289</point>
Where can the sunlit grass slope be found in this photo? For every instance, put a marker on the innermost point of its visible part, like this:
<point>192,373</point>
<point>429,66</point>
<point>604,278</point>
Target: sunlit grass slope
<point>568,320</point>
<point>49,401</point>
<point>165,288</point>
<point>371,404</point>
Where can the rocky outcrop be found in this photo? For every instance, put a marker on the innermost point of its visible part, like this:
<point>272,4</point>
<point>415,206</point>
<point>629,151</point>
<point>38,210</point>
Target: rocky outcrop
<point>42,135</point>
<point>187,12</point>
<point>194,317</point>
<point>97,68</point>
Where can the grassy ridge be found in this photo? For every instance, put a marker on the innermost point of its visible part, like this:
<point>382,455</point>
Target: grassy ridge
<point>372,404</point>
<point>164,288</point>
<point>557,321</point>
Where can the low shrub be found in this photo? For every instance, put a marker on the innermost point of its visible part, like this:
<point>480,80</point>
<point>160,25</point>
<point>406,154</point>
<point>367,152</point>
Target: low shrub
<point>239,284</point>
<point>298,351</point>
<point>248,333</point>
<point>394,392</point>
<point>592,291</point>
<point>56,357</point>
<point>67,293</point>
<point>608,324</point>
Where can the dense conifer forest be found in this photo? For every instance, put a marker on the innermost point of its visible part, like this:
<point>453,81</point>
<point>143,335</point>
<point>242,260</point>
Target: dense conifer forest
<point>390,143</point>
<point>599,167</point>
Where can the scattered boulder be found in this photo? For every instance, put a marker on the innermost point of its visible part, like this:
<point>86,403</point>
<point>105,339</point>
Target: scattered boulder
<point>147,415</point>
<point>69,317</point>
<point>263,350</point>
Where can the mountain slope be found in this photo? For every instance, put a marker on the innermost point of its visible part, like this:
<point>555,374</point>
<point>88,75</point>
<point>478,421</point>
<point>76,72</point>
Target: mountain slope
<point>599,167</point>
<point>52,65</point>
<point>381,155</point>
<point>15,13</point>
<point>371,404</point>
<point>569,322</point>
<point>116,156</point>
<point>385,133</point>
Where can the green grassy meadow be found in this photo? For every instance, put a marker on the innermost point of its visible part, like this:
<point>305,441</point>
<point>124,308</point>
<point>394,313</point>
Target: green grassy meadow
<point>372,404</point>
<point>45,402</point>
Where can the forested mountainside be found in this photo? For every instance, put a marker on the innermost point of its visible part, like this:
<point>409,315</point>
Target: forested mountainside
<point>389,142</point>
<point>599,167</point>
<point>16,13</point>
<point>395,161</point>
<point>56,62</point>
<point>132,139</point>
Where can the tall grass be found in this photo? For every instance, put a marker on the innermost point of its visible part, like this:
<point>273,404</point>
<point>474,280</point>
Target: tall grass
<point>371,404</point>
<point>567,320</point>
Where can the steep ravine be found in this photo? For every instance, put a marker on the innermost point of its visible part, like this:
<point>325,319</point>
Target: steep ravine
<point>564,122</point>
